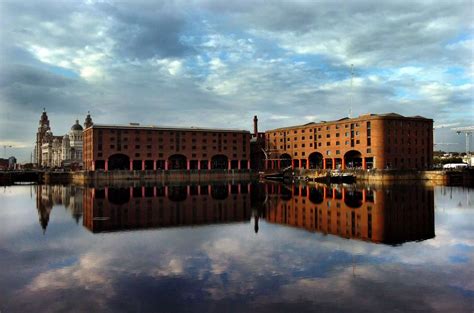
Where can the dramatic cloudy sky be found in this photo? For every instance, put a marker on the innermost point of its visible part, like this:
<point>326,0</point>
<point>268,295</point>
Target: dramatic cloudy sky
<point>217,63</point>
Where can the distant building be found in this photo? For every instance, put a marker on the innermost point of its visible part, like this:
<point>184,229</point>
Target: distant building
<point>135,147</point>
<point>468,159</point>
<point>57,151</point>
<point>8,164</point>
<point>3,164</point>
<point>365,142</point>
<point>12,162</point>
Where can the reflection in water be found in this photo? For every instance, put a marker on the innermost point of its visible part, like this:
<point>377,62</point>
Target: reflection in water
<point>165,206</point>
<point>290,265</point>
<point>392,216</point>
<point>49,195</point>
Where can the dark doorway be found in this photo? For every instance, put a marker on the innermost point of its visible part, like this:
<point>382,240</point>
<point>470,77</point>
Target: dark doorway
<point>353,159</point>
<point>119,162</point>
<point>219,162</point>
<point>177,162</point>
<point>315,160</point>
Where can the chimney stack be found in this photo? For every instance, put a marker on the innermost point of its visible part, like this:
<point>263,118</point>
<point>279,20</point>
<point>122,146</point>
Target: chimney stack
<point>255,126</point>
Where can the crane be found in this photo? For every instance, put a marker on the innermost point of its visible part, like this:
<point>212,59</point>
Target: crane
<point>468,130</point>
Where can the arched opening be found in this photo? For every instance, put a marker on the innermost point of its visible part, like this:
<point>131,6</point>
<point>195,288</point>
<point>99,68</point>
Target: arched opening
<point>219,192</point>
<point>353,198</point>
<point>353,159</point>
<point>219,161</point>
<point>285,160</point>
<point>177,162</point>
<point>315,160</point>
<point>119,196</point>
<point>119,162</point>
<point>315,195</point>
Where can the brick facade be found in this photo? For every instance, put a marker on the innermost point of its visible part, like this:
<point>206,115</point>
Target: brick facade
<point>134,147</point>
<point>368,141</point>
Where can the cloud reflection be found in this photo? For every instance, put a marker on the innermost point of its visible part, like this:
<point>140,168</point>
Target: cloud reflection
<point>227,267</point>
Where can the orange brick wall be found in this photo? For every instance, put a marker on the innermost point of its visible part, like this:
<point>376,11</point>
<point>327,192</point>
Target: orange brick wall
<point>394,142</point>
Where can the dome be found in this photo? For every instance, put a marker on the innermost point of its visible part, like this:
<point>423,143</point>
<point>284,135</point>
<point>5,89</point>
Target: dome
<point>77,126</point>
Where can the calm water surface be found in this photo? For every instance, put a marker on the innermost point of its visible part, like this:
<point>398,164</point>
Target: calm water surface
<point>236,248</point>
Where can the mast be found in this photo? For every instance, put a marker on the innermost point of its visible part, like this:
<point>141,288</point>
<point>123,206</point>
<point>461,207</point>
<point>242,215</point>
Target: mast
<point>350,92</point>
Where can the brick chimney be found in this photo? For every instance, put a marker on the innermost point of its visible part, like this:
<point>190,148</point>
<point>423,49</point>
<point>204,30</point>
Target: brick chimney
<point>255,126</point>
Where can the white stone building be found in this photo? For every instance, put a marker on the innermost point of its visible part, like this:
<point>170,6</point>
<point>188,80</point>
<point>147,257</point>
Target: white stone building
<point>59,151</point>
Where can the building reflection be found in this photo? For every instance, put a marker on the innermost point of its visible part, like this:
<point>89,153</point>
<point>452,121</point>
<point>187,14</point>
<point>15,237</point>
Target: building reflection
<point>392,215</point>
<point>126,208</point>
<point>48,196</point>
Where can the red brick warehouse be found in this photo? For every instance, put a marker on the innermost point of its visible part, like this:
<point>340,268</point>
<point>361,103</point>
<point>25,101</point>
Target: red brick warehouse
<point>368,141</point>
<point>135,147</point>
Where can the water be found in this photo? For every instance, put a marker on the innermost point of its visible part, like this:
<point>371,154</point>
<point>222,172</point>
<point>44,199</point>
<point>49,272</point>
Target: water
<point>236,248</point>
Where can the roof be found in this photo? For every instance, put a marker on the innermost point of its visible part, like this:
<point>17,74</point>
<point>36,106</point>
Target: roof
<point>76,127</point>
<point>359,118</point>
<point>168,128</point>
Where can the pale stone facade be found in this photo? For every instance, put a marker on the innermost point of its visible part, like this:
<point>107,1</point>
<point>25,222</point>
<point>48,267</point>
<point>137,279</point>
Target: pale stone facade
<point>59,151</point>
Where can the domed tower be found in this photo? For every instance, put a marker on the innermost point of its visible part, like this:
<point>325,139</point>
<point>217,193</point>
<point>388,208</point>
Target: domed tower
<point>77,127</point>
<point>42,129</point>
<point>75,141</point>
<point>88,121</point>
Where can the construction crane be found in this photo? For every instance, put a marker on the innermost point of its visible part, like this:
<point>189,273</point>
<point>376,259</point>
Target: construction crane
<point>468,130</point>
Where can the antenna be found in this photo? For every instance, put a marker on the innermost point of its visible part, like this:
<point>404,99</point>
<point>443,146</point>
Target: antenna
<point>350,92</point>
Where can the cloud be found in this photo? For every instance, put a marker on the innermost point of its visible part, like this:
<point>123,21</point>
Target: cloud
<point>193,63</point>
<point>146,30</point>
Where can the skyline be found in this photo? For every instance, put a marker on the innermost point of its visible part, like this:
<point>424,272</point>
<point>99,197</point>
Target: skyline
<point>217,64</point>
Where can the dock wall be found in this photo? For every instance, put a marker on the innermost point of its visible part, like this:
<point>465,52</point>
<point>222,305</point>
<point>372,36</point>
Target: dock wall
<point>193,176</point>
<point>437,177</point>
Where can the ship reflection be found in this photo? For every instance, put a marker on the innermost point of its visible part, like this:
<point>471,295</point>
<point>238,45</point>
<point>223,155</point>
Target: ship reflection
<point>391,215</point>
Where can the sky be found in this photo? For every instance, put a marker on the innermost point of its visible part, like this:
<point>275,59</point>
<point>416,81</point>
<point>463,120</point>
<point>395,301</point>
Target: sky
<point>218,63</point>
